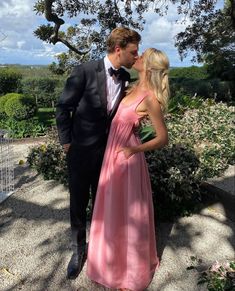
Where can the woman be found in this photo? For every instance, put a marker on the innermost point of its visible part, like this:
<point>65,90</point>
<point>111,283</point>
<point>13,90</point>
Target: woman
<point>122,248</point>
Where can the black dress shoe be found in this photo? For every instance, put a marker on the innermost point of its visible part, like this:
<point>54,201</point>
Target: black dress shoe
<point>76,264</point>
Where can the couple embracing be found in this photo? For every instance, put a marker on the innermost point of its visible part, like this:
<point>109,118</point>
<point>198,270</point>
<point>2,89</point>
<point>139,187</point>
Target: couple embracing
<point>97,119</point>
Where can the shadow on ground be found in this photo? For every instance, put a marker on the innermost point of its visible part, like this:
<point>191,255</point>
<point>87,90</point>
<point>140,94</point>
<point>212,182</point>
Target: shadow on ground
<point>35,240</point>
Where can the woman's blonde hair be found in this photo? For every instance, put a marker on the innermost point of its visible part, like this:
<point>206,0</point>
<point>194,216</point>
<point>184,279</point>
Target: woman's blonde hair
<point>156,64</point>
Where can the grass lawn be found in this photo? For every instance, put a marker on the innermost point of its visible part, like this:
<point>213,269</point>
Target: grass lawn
<point>46,116</point>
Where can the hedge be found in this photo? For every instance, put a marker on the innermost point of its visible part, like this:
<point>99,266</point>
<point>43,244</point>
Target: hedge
<point>202,144</point>
<point>9,80</point>
<point>20,107</point>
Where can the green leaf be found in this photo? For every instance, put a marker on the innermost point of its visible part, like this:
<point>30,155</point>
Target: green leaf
<point>147,133</point>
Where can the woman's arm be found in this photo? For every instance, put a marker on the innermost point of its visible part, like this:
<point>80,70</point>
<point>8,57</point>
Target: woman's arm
<point>152,108</point>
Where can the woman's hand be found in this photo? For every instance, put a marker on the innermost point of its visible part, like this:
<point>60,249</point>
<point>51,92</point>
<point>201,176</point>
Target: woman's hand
<point>128,151</point>
<point>66,147</point>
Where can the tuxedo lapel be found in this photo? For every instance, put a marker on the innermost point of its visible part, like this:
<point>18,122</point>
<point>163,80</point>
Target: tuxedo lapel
<point>101,83</point>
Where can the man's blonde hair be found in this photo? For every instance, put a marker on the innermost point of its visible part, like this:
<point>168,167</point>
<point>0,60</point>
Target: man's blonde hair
<point>122,36</point>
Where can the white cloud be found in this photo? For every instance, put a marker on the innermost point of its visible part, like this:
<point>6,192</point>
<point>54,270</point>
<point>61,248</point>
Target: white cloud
<point>15,8</point>
<point>18,21</point>
<point>49,51</point>
<point>163,29</point>
<point>20,44</point>
<point>16,15</point>
<point>19,40</point>
<point>160,32</point>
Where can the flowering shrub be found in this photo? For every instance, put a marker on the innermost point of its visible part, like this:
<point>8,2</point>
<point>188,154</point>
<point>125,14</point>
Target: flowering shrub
<point>182,102</point>
<point>49,160</point>
<point>202,144</point>
<point>174,183</point>
<point>209,131</point>
<point>220,276</point>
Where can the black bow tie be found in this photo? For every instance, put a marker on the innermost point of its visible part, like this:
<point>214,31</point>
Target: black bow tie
<point>120,74</point>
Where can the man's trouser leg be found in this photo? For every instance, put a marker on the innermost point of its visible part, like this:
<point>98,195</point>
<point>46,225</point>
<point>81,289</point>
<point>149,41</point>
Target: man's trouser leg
<point>84,168</point>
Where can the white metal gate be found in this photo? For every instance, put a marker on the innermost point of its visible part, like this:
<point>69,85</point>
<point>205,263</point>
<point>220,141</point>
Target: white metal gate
<point>6,165</point>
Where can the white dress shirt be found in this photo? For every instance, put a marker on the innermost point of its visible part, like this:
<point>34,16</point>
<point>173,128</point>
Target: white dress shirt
<point>113,86</point>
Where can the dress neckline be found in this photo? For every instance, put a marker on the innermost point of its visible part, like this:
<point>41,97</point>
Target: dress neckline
<point>139,97</point>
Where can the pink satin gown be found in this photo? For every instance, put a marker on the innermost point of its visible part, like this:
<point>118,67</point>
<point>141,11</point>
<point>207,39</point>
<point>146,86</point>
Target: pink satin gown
<point>122,246</point>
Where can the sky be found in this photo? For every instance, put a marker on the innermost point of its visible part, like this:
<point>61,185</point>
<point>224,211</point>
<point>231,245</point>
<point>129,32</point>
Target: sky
<point>18,45</point>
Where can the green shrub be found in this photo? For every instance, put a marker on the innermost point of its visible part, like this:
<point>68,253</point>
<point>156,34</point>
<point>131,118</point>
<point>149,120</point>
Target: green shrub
<point>23,128</point>
<point>209,131</point>
<point>46,116</point>
<point>211,88</point>
<point>172,171</point>
<point>44,90</point>
<point>20,107</point>
<point>224,90</point>
<point>49,160</point>
<point>193,87</point>
<point>180,103</point>
<point>203,88</point>
<point>3,100</point>
<point>174,183</point>
<point>192,72</point>
<point>220,276</point>
<point>202,144</point>
<point>9,80</point>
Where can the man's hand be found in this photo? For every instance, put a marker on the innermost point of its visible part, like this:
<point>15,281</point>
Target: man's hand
<point>66,147</point>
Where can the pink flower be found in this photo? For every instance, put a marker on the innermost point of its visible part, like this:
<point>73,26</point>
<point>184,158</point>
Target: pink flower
<point>215,267</point>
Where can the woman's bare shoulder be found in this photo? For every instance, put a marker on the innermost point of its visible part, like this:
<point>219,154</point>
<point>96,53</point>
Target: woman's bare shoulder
<point>151,98</point>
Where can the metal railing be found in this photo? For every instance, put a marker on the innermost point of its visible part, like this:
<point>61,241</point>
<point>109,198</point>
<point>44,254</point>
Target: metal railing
<point>6,165</point>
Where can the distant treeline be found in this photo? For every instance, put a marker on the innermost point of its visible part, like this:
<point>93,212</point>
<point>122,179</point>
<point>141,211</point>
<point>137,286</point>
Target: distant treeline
<point>45,87</point>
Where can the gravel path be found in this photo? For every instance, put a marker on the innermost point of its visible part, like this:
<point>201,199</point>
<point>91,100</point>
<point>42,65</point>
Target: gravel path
<point>35,240</point>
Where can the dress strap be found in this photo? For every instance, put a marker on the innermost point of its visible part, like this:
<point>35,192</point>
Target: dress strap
<point>139,100</point>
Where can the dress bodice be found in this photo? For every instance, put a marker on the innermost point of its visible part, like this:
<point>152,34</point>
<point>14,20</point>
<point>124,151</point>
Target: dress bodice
<point>127,114</point>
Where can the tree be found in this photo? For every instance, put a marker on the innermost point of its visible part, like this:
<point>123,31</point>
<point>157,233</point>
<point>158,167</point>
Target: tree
<point>212,38</point>
<point>86,39</point>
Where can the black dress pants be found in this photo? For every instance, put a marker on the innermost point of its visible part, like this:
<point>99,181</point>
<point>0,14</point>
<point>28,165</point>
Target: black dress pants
<point>84,164</point>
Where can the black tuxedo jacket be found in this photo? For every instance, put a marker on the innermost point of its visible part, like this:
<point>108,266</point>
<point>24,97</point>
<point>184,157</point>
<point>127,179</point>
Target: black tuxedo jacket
<point>81,113</point>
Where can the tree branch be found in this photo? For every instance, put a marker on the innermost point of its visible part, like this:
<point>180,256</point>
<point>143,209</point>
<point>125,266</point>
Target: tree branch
<point>52,17</point>
<point>65,42</point>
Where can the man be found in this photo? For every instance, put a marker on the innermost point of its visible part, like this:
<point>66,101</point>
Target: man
<point>85,109</point>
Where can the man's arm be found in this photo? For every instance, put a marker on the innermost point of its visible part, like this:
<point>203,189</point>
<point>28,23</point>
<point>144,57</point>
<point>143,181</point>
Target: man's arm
<point>68,101</point>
